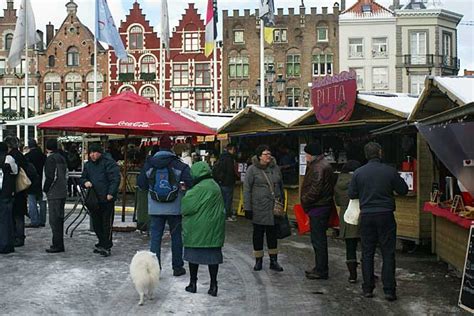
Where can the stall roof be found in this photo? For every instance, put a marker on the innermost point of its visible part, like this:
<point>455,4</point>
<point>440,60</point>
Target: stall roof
<point>399,104</point>
<point>211,120</point>
<point>443,93</point>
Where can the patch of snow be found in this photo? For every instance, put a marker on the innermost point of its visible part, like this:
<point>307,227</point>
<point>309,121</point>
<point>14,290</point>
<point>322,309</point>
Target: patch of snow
<point>211,120</point>
<point>285,115</point>
<point>461,87</point>
<point>400,102</point>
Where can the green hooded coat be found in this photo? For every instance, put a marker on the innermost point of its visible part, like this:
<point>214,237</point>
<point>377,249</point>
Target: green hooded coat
<point>203,211</point>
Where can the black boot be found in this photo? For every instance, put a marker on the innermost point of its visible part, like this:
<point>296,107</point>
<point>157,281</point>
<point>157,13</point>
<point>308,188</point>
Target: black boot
<point>274,263</point>
<point>352,267</point>
<point>192,287</point>
<point>258,264</point>
<point>213,289</point>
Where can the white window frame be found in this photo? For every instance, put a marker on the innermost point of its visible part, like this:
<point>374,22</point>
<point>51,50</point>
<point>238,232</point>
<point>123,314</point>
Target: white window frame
<point>377,78</point>
<point>417,52</point>
<point>354,47</point>
<point>360,77</point>
<point>417,84</point>
<point>380,50</point>
<point>240,37</point>
<point>280,36</point>
<point>324,66</point>
<point>191,42</point>
<point>326,33</point>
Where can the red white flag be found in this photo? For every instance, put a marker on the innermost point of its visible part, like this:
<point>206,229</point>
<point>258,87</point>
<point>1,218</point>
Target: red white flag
<point>211,29</point>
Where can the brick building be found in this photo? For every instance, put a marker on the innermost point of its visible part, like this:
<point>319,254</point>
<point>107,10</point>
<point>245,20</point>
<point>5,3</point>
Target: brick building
<point>66,66</point>
<point>305,45</point>
<point>188,77</point>
<point>12,81</point>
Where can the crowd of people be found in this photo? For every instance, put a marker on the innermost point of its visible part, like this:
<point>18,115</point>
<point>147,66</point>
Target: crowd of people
<point>195,200</point>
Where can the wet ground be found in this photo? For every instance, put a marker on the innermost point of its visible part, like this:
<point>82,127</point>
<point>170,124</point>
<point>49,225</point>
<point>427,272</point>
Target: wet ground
<point>79,282</point>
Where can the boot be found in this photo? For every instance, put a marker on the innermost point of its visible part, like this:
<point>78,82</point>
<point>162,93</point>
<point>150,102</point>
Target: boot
<point>192,287</point>
<point>258,264</point>
<point>274,263</point>
<point>213,289</point>
<point>352,267</point>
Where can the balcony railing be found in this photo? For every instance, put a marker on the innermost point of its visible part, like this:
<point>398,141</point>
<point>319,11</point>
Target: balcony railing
<point>450,62</point>
<point>126,77</point>
<point>147,76</point>
<point>418,60</point>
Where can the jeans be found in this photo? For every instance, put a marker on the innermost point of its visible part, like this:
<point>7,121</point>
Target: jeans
<point>319,239</point>
<point>102,222</point>
<point>351,249</point>
<point>6,225</point>
<point>56,221</point>
<point>380,229</point>
<point>258,233</point>
<point>157,226</point>
<point>228,195</point>
<point>37,217</point>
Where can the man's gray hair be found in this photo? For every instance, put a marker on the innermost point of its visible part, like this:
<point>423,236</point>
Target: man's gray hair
<point>372,150</point>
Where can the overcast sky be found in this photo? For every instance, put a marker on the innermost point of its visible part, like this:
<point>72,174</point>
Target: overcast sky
<point>55,11</point>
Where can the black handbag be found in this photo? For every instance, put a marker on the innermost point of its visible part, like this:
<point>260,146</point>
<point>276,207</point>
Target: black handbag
<point>91,200</point>
<point>282,226</point>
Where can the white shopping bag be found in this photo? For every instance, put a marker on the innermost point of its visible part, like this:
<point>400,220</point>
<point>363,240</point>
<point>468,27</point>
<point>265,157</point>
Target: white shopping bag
<point>352,214</point>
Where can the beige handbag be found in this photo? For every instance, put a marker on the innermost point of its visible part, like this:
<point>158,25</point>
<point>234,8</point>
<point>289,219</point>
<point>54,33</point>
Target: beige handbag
<point>278,207</point>
<point>22,181</point>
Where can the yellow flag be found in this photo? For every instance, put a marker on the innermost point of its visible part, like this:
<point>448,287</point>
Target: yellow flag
<point>268,34</point>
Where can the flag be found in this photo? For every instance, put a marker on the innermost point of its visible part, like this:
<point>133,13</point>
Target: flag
<point>107,31</point>
<point>211,27</point>
<point>165,25</point>
<point>268,34</point>
<point>25,28</point>
<point>267,9</point>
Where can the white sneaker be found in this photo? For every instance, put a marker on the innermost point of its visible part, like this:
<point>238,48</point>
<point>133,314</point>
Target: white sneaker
<point>230,219</point>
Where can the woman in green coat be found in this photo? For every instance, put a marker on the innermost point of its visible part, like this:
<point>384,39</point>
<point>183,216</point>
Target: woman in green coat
<point>350,233</point>
<point>203,214</point>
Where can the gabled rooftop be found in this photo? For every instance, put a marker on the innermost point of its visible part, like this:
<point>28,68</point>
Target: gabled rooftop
<point>366,9</point>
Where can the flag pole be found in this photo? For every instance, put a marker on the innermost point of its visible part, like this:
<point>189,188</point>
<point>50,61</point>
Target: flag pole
<point>214,56</point>
<point>262,64</point>
<point>161,72</point>
<point>95,47</point>
<point>26,74</point>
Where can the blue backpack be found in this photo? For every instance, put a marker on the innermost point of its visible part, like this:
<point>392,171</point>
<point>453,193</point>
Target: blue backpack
<point>163,185</point>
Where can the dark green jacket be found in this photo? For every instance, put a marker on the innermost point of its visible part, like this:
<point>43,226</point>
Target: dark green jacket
<point>203,211</point>
<point>342,200</point>
<point>104,174</point>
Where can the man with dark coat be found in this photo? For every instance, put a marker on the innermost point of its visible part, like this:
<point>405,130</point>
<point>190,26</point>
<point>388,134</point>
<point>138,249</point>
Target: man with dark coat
<point>55,187</point>
<point>373,184</point>
<point>35,192</point>
<point>224,174</point>
<point>102,174</point>
<point>317,194</point>
<point>19,202</point>
<point>8,172</point>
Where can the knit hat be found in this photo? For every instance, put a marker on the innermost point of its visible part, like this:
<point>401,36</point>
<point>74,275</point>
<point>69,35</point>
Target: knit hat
<point>95,148</point>
<point>32,143</point>
<point>52,144</point>
<point>165,142</point>
<point>313,149</point>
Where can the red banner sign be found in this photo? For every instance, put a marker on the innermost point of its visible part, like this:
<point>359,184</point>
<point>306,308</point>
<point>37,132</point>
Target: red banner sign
<point>333,97</point>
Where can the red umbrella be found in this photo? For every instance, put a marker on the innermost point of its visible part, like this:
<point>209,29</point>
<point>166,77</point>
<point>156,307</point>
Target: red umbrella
<point>129,114</point>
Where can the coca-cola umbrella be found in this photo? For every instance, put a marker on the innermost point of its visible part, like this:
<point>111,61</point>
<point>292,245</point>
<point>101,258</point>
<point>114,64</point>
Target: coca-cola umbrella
<point>126,114</point>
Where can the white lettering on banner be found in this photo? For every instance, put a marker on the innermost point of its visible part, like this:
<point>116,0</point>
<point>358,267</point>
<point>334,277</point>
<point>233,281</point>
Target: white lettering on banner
<point>131,124</point>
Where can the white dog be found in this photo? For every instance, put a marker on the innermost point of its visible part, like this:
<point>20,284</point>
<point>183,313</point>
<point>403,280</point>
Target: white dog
<point>145,273</point>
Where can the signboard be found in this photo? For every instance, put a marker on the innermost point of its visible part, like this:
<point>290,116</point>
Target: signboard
<point>408,177</point>
<point>466,297</point>
<point>302,159</point>
<point>333,97</point>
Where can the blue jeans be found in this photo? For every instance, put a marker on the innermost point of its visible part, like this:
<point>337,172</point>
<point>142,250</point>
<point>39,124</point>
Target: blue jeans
<point>157,228</point>
<point>37,217</point>
<point>228,195</point>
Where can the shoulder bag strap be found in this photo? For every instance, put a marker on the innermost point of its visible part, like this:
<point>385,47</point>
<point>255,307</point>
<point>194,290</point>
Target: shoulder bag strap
<point>269,183</point>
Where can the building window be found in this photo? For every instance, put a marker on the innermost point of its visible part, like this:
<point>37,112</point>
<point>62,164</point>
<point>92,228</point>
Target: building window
<point>191,42</point>
<point>238,99</point>
<point>203,101</point>
<point>379,47</point>
<point>2,66</point>
<point>9,101</point>
<point>31,98</point>
<point>180,74</point>
<point>73,89</point>
<point>322,33</point>
<point>322,64</point>
<point>127,66</point>
<point>148,65</point>
<point>52,91</point>
<point>418,49</point>
<point>239,67</point>
<point>379,78</point>
<point>8,41</point>
<point>73,56</point>
<point>180,100</point>
<point>359,77</point>
<point>356,48</point>
<point>51,61</point>
<point>447,49</point>
<point>21,67</point>
<point>239,37</point>
<point>417,84</point>
<point>293,66</point>
<point>135,38</point>
<point>149,93</point>
<point>90,86</point>
<point>293,97</point>
<point>203,75</point>
<point>279,36</point>
<point>269,60</point>
<point>92,60</point>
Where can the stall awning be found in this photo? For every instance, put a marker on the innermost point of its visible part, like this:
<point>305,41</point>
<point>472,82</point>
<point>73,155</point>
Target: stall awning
<point>212,120</point>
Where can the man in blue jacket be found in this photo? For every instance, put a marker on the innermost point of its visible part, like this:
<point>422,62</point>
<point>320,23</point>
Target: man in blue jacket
<point>102,173</point>
<point>170,210</point>
<point>373,184</point>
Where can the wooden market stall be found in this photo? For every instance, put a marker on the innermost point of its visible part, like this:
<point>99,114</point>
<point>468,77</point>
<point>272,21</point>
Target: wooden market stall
<point>446,101</point>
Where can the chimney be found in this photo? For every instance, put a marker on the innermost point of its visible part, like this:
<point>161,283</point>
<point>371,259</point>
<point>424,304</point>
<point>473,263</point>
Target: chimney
<point>396,4</point>
<point>49,33</point>
<point>9,4</point>
<point>343,5</point>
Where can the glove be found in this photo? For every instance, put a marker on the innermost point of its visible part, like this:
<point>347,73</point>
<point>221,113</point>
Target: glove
<point>248,214</point>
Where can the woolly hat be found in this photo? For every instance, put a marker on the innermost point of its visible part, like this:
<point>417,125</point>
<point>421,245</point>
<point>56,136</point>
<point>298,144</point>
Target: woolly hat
<point>313,149</point>
<point>95,148</point>
<point>165,142</point>
<point>52,144</point>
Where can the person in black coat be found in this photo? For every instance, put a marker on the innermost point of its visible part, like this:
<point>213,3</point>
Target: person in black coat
<point>19,203</point>
<point>224,174</point>
<point>8,172</point>
<point>35,194</point>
